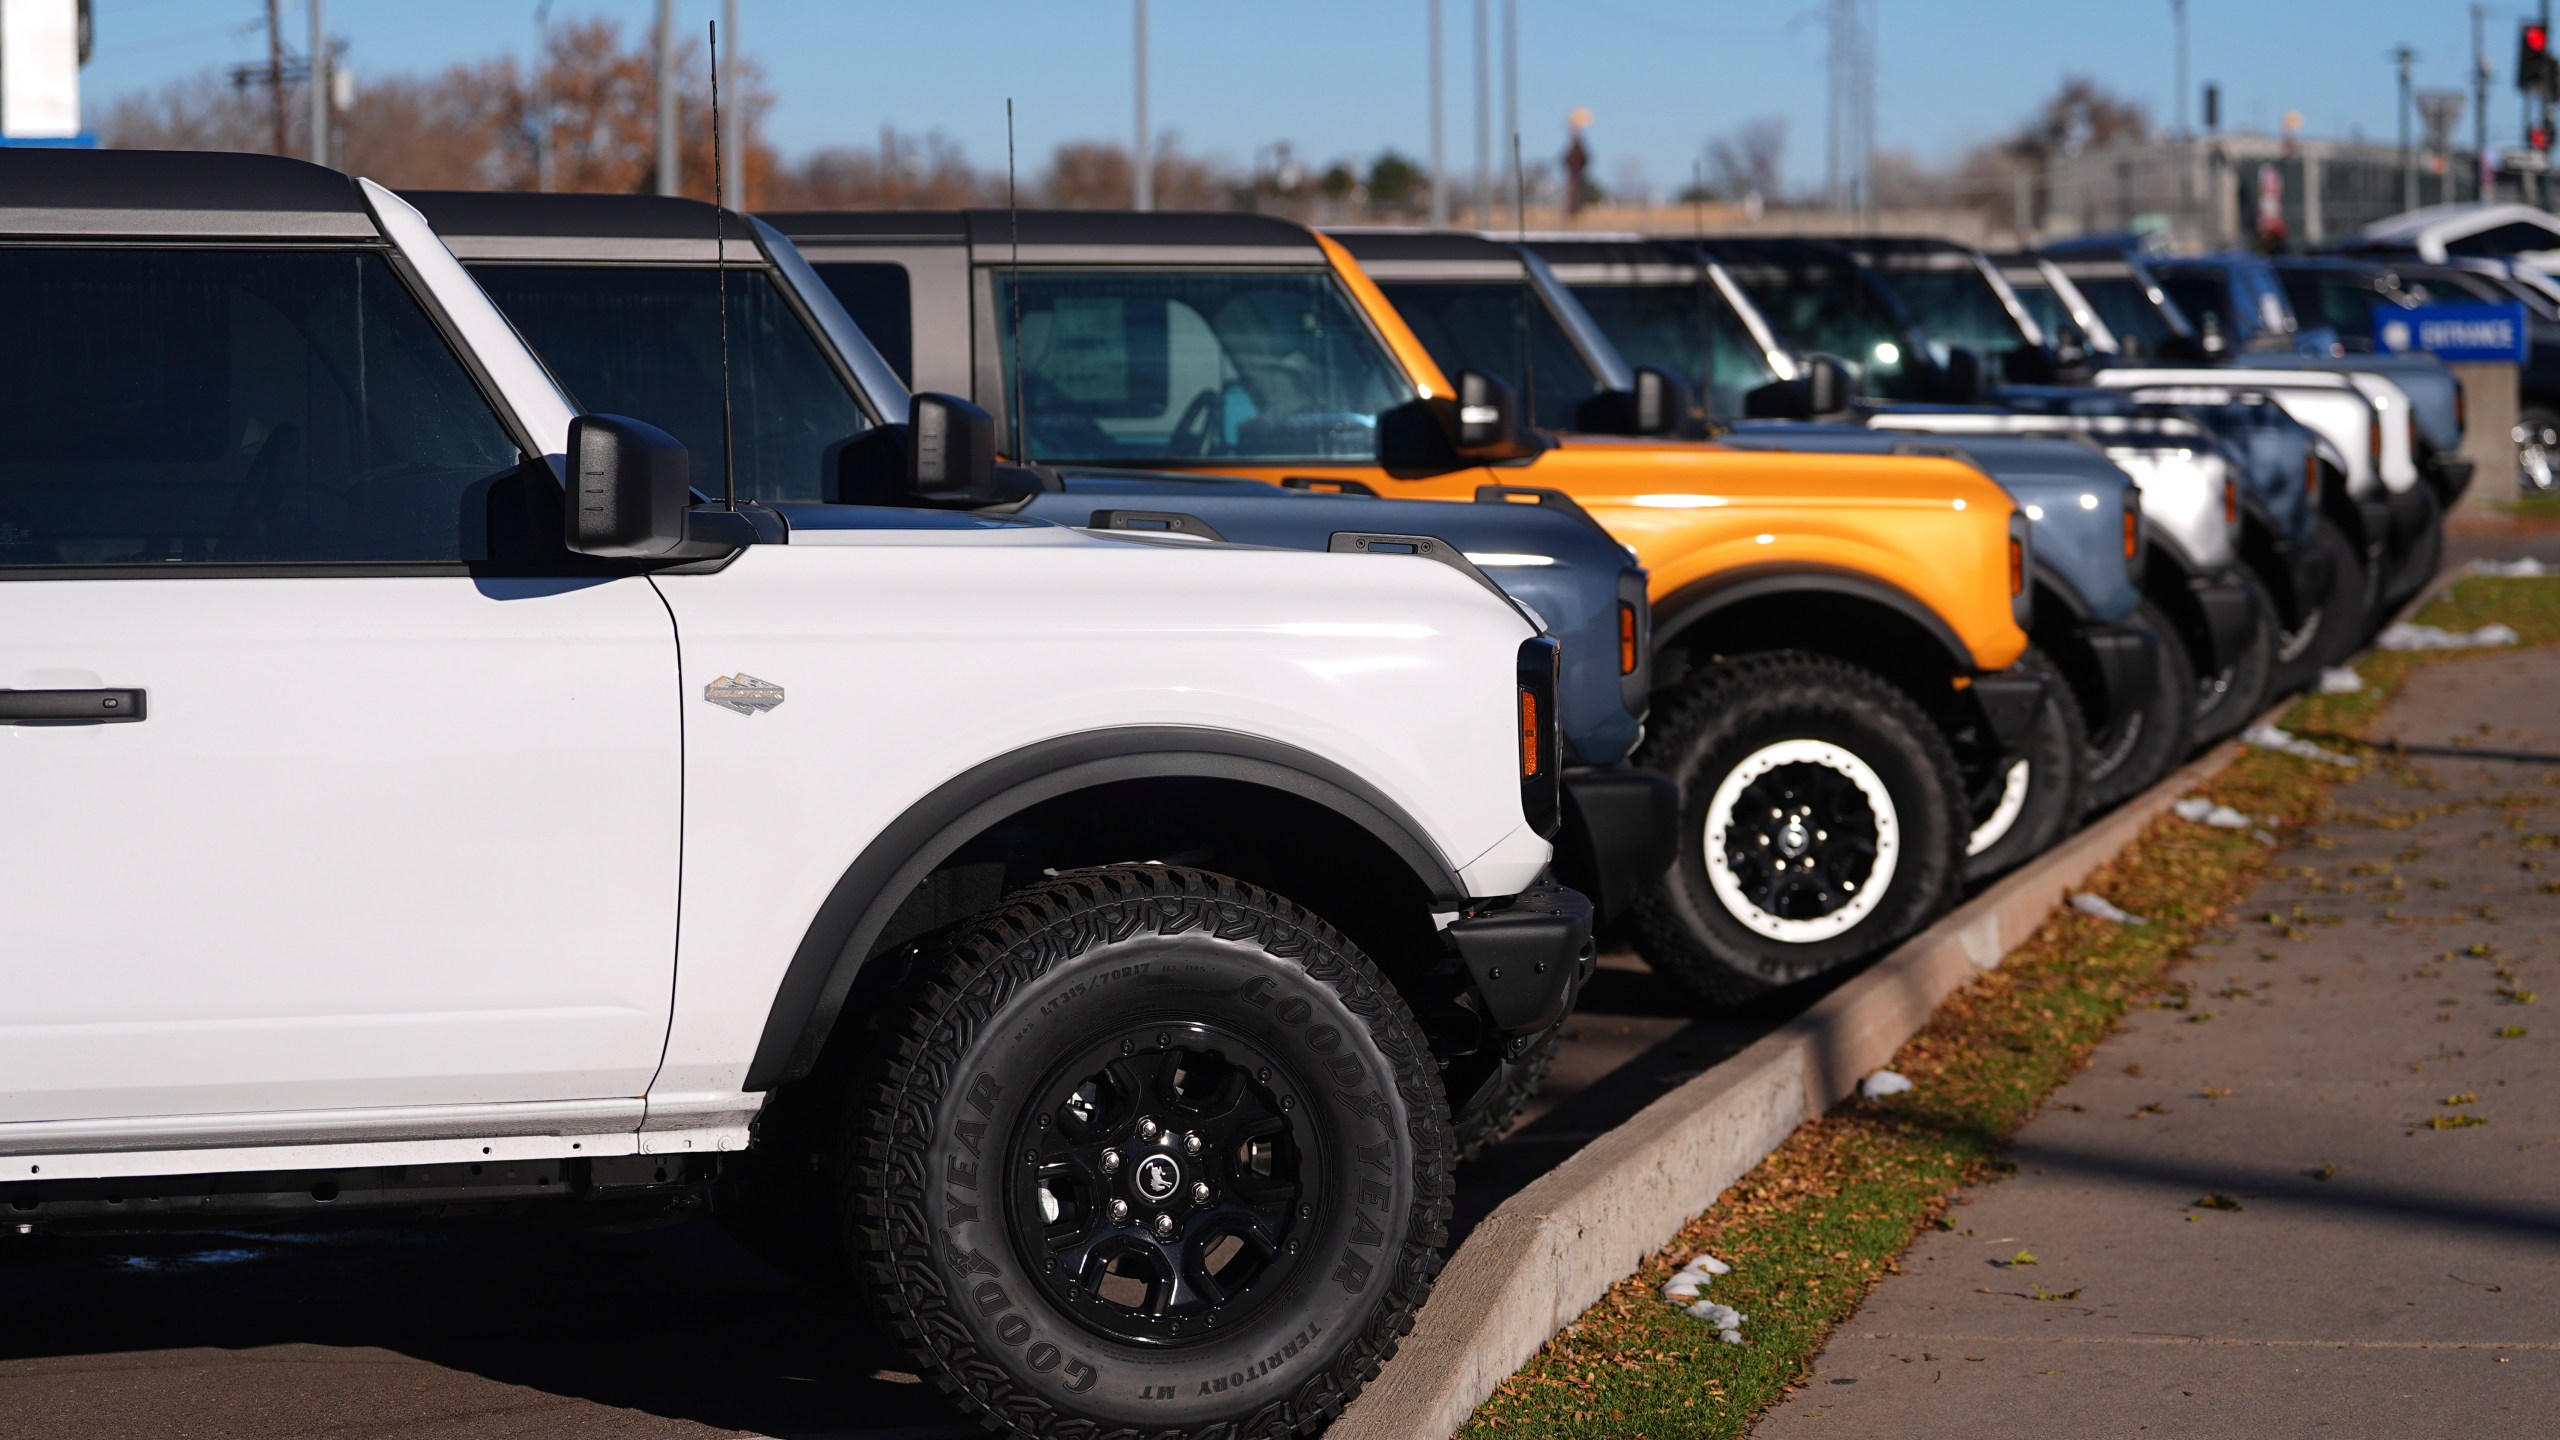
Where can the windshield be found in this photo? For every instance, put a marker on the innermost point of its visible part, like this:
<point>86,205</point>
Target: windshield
<point>2125,303</point>
<point>1688,330</point>
<point>1956,306</point>
<point>2044,307</point>
<point>1497,327</point>
<point>2340,300</point>
<point>629,340</point>
<point>1826,310</point>
<point>1236,365</point>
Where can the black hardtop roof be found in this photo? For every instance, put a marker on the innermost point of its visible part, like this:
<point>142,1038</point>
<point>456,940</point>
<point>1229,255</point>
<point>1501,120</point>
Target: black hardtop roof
<point>1058,229</point>
<point>1619,250</point>
<point>526,213</point>
<point>175,192</point>
<point>1424,245</point>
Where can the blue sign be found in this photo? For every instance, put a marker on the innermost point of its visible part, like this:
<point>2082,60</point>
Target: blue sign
<point>2478,330</point>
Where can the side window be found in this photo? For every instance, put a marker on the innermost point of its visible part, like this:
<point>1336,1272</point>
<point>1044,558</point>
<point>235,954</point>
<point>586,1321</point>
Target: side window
<point>645,342</point>
<point>235,407</point>
<point>1500,329</point>
<point>1687,330</point>
<point>876,297</point>
<point>2201,296</point>
<point>2507,239</point>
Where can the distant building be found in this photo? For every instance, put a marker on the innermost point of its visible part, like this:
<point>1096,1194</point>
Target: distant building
<point>2245,187</point>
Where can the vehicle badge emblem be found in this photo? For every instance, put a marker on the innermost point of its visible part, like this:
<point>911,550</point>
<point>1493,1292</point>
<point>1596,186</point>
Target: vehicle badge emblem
<point>1158,1176</point>
<point>743,693</point>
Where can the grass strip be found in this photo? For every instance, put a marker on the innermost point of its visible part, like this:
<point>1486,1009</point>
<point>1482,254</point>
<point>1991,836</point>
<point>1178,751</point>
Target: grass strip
<point>1827,1214</point>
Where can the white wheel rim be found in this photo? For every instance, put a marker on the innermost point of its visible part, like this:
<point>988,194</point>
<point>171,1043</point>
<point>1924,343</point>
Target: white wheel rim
<point>1871,893</point>
<point>2013,802</point>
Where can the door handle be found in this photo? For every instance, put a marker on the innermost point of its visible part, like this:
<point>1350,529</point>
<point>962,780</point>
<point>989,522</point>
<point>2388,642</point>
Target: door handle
<point>71,707</point>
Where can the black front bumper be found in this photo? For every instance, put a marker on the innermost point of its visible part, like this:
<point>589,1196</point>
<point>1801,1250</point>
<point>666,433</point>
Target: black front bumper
<point>1528,955</point>
<point>2128,671</point>
<point>2452,475</point>
<point>2230,614</point>
<point>1621,830</point>
<point>2009,701</point>
<point>2410,517</point>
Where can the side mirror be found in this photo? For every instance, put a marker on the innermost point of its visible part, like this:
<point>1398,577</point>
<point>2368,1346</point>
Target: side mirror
<point>951,451</point>
<point>1964,378</point>
<point>2182,349</point>
<point>1663,402</point>
<point>2030,365</point>
<point>628,488</point>
<point>1823,389</point>
<point>1488,417</point>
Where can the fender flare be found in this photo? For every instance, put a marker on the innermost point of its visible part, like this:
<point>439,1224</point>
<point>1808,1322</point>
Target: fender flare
<point>1684,608</point>
<point>838,941</point>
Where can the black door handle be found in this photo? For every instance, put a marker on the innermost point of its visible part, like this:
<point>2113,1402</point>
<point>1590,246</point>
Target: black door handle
<point>70,707</point>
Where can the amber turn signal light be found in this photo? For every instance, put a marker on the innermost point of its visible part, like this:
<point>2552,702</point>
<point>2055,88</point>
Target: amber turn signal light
<point>1626,638</point>
<point>2132,534</point>
<point>1528,734</point>
<point>2230,503</point>
<point>2017,566</point>
<point>2311,475</point>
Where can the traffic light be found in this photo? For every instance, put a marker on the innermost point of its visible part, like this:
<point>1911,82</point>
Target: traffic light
<point>2536,72</point>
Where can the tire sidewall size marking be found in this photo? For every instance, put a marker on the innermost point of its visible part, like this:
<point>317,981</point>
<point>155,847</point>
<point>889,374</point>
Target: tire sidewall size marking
<point>1354,1239</point>
<point>1873,889</point>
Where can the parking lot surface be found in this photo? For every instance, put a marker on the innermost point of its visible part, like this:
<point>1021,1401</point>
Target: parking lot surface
<point>2316,1200</point>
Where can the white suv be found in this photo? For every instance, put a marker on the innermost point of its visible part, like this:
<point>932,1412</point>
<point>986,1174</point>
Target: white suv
<point>386,829</point>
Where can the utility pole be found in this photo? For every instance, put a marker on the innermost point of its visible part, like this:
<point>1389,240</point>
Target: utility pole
<point>1439,150</point>
<point>275,80</point>
<point>2483,175</point>
<point>2185,148</point>
<point>1484,122</point>
<point>545,167</point>
<point>319,90</point>
<point>2408,157</point>
<point>668,174</point>
<point>1511,96</point>
<point>733,176</point>
<point>1142,164</point>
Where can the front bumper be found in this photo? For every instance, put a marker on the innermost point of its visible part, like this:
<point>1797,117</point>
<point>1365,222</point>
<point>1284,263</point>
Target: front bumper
<point>1621,830</point>
<point>2009,701</point>
<point>1528,955</point>
<point>2128,671</point>
<point>2410,517</point>
<point>2452,476</point>
<point>2308,573</point>
<point>2230,616</point>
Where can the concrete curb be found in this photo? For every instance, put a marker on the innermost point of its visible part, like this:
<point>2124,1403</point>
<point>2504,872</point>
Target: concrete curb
<point>1552,1250</point>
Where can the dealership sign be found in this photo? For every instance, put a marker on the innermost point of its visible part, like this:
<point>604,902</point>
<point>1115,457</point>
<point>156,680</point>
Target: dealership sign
<point>2477,331</point>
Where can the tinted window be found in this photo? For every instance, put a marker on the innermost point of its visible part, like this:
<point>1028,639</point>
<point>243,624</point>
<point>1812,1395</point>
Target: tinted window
<point>2507,239</point>
<point>1247,365</point>
<point>2045,308</point>
<point>876,297</point>
<point>2127,306</point>
<point>2202,296</point>
<point>1815,308</point>
<point>2343,302</point>
<point>1499,329</point>
<point>1687,330</point>
<point>1956,307</point>
<point>234,407</point>
<point>646,343</point>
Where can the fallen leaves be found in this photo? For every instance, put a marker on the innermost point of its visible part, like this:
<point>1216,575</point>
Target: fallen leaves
<point>2214,1200</point>
<point>2455,1122</point>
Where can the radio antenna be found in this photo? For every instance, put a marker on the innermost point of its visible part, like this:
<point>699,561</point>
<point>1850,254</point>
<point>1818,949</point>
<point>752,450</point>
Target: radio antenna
<point>1013,219</point>
<point>720,268</point>
<point>1520,230</point>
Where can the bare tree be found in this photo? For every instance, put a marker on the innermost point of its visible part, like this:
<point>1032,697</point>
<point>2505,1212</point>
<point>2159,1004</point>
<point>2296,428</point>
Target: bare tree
<point>1748,162</point>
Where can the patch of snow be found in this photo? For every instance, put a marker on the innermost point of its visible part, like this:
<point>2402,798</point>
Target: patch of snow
<point>2340,680</point>
<point>1707,1264</point>
<point>2405,636</point>
<point>1733,1337</point>
<point>2269,737</point>
<point>2523,569</point>
<point>2205,812</point>
<point>1883,1083</point>
<point>2100,907</point>
<point>1683,1286</point>
<point>1723,1317</point>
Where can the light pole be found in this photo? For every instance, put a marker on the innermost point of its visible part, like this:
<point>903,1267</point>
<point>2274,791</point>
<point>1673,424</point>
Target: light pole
<point>319,84</point>
<point>1511,94</point>
<point>2408,157</point>
<point>1484,121</point>
<point>667,173</point>
<point>545,171</point>
<point>1142,160</point>
<point>733,175</point>
<point>2186,137</point>
<point>2482,175</point>
<point>1439,149</point>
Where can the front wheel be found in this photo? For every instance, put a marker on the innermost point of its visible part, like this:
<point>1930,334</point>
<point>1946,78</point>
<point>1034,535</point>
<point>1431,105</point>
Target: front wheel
<point>2038,797</point>
<point>1155,1152</point>
<point>2332,625</point>
<point>2138,749</point>
<point>2229,698</point>
<point>1822,822</point>
<point>2411,572</point>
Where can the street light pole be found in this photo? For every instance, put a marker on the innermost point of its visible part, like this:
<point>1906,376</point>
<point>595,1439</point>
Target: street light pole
<point>1143,155</point>
<point>2185,148</point>
<point>667,173</point>
<point>545,167</point>
<point>1439,149</point>
<point>2408,156</point>
<point>733,177</point>
<point>319,85</point>
<point>1511,93</point>
<point>1484,121</point>
<point>2481,173</point>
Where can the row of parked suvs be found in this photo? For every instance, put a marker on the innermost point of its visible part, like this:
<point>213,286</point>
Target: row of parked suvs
<point>1056,769</point>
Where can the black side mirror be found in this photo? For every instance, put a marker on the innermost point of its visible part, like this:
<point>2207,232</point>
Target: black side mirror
<point>2030,365</point>
<point>628,488</point>
<point>1488,417</point>
<point>1658,405</point>
<point>1964,377</point>
<point>2182,349</point>
<point>1822,389</point>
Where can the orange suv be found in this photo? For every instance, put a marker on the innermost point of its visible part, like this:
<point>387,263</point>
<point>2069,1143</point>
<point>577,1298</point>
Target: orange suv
<point>1833,635</point>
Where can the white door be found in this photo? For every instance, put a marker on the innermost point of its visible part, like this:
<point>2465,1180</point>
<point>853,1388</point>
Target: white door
<point>392,820</point>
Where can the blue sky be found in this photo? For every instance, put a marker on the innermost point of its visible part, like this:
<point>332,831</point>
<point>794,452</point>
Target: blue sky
<point>1344,77</point>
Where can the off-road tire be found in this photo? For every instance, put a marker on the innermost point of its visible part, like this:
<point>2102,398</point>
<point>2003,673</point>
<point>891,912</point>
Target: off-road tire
<point>2336,622</point>
<point>1514,1084</point>
<point>2055,784</point>
<point>1227,981</point>
<point>2131,757</point>
<point>2227,703</point>
<point>1735,715</point>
